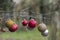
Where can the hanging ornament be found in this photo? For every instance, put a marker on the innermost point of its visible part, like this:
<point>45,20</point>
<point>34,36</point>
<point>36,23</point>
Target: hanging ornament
<point>13,28</point>
<point>45,33</point>
<point>3,30</point>
<point>31,24</point>
<point>42,27</point>
<point>24,22</point>
<point>9,23</point>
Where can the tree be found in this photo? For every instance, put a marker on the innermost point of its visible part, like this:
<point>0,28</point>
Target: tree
<point>50,11</point>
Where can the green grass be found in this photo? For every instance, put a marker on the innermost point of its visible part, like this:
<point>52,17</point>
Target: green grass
<point>23,35</point>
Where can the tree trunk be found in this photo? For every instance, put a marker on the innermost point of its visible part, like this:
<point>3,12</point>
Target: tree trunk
<point>53,29</point>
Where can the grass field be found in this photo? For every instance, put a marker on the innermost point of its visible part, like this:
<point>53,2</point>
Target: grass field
<point>23,35</point>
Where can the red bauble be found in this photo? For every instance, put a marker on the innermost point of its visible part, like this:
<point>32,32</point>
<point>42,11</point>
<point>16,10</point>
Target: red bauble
<point>32,24</point>
<point>24,22</point>
<point>13,28</point>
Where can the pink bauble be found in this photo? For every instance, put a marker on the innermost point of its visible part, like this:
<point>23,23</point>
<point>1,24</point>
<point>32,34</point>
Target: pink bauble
<point>13,28</point>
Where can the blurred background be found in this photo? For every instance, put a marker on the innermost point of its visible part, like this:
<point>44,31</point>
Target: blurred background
<point>47,11</point>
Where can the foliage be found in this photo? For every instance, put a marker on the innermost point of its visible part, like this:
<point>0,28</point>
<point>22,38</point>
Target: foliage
<point>5,4</point>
